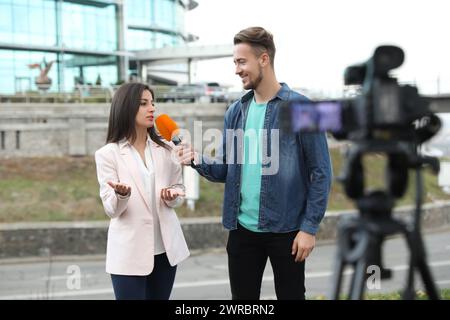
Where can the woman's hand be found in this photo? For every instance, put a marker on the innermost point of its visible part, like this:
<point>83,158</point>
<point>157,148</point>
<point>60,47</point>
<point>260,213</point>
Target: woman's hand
<point>169,194</point>
<point>120,188</point>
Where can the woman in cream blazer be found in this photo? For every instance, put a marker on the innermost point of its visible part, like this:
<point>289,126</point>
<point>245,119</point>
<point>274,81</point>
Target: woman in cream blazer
<point>140,184</point>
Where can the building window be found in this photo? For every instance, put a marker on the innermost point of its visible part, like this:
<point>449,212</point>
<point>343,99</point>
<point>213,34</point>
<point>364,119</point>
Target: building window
<point>17,140</point>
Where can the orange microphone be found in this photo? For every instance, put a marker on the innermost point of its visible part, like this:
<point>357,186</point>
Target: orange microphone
<point>168,128</point>
<point>169,131</point>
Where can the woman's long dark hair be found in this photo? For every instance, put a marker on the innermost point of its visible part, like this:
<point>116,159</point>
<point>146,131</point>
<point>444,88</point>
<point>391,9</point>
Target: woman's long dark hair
<point>122,117</point>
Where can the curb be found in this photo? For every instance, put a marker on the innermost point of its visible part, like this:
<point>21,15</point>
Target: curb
<point>19,240</point>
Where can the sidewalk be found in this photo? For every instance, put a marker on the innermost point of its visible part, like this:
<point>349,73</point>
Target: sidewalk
<point>204,275</point>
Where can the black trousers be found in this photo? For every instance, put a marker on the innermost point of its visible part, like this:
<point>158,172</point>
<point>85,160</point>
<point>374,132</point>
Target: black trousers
<point>156,286</point>
<point>247,257</point>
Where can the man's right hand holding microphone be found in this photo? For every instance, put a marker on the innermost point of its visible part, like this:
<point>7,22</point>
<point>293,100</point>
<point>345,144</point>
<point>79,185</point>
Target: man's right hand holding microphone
<point>185,154</point>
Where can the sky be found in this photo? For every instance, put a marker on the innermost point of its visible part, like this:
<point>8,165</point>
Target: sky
<point>316,40</point>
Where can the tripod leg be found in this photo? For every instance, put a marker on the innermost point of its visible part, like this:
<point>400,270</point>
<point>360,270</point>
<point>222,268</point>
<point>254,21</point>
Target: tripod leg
<point>337,278</point>
<point>358,281</point>
<point>418,260</point>
<point>345,246</point>
<point>409,293</point>
<point>354,251</point>
<point>359,275</point>
<point>427,278</point>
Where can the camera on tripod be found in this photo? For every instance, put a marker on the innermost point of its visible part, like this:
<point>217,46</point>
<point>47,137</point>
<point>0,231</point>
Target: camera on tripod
<point>384,110</point>
<point>385,118</point>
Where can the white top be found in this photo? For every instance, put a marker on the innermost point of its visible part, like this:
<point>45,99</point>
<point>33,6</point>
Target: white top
<point>148,178</point>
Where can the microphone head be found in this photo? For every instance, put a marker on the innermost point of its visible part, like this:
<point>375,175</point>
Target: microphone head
<point>166,127</point>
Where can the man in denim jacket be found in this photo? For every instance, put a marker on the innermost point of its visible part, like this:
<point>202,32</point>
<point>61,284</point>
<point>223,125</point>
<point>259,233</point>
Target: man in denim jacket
<point>276,183</point>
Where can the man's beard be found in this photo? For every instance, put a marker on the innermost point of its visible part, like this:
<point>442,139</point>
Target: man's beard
<point>252,85</point>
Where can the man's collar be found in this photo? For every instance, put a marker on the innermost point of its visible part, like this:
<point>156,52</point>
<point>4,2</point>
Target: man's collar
<point>282,94</point>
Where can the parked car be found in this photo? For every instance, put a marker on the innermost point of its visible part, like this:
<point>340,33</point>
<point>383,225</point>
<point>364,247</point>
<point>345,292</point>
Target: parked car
<point>198,92</point>
<point>215,92</point>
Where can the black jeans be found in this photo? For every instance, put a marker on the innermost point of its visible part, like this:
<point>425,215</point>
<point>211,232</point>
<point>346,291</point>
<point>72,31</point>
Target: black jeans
<point>247,257</point>
<point>156,286</point>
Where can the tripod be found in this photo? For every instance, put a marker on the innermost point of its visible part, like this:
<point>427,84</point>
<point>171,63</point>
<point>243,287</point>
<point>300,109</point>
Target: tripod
<point>360,238</point>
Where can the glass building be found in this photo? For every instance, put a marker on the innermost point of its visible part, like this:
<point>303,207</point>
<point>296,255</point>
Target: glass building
<point>55,44</point>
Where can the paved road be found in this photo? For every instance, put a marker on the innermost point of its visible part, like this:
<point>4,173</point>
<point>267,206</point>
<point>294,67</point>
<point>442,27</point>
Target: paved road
<point>204,275</point>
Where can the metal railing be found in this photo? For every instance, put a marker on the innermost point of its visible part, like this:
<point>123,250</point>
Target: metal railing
<point>88,94</point>
<point>103,94</point>
<point>80,94</point>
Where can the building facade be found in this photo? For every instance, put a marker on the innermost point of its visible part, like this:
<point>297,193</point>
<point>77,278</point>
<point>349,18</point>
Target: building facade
<point>52,45</point>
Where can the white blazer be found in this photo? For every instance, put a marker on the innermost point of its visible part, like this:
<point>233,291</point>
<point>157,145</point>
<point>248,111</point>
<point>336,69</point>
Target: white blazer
<point>130,246</point>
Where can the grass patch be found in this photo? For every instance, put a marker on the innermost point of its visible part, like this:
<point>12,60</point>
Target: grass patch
<point>66,189</point>
<point>397,295</point>
<point>420,295</point>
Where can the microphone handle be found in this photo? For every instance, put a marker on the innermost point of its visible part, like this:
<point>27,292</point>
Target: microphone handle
<point>176,141</point>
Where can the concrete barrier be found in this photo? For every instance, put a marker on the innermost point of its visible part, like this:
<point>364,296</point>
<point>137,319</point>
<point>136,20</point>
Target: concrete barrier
<point>89,238</point>
<point>42,130</point>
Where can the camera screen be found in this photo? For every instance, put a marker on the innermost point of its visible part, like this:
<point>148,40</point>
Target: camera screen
<point>316,116</point>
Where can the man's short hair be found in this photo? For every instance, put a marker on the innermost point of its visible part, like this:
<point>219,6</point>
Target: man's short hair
<point>259,39</point>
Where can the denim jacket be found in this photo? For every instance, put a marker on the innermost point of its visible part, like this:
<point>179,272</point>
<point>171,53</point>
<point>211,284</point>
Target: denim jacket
<point>294,192</point>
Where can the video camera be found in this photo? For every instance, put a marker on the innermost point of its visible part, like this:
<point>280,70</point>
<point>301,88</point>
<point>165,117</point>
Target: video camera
<point>385,118</point>
<point>384,110</point>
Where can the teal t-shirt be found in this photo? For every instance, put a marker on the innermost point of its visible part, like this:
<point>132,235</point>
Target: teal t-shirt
<point>251,167</point>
